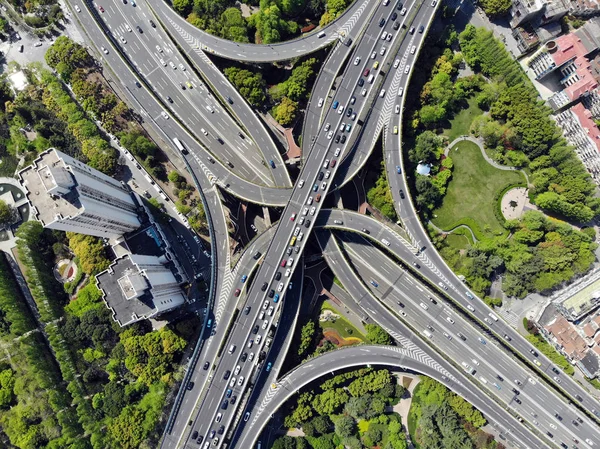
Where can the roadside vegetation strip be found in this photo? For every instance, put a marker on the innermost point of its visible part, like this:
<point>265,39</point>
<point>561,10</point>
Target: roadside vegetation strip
<point>536,339</point>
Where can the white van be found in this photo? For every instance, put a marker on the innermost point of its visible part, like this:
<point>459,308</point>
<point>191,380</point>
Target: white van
<point>385,242</point>
<point>370,78</point>
<point>231,349</point>
<point>427,334</point>
<point>493,317</point>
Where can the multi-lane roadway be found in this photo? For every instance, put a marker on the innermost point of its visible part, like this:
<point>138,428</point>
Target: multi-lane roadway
<point>237,154</point>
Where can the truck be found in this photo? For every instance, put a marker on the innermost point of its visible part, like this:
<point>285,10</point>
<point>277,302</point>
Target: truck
<point>179,144</point>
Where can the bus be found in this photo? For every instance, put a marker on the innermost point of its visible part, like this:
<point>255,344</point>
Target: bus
<point>180,145</point>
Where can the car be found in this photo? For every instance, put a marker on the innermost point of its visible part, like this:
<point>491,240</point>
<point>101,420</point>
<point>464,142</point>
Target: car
<point>382,94</point>
<point>101,8</point>
<point>307,223</point>
<point>327,126</point>
<point>169,99</point>
<point>366,72</point>
<point>330,135</point>
<point>352,100</point>
<point>461,336</point>
<point>139,28</point>
<point>190,386</point>
<point>470,307</point>
<point>400,91</point>
<point>337,152</point>
<point>323,185</point>
<point>451,321</point>
<point>349,112</point>
<point>413,49</point>
<point>343,139</point>
<point>326,163</point>
<point>433,3</point>
<point>237,292</point>
<point>173,66</point>
<point>335,104</point>
<point>271,293</point>
<point>397,109</point>
<point>396,25</point>
<point>342,127</point>
<point>421,29</point>
<point>482,341</point>
<point>227,373</point>
<point>382,22</point>
<point>382,51</point>
<point>264,286</point>
<point>293,217</point>
<point>270,311</point>
<point>374,283</point>
<point>403,12</point>
<point>337,139</point>
<point>315,187</point>
<point>401,192</point>
<point>394,16</point>
<point>348,127</point>
<point>363,92</point>
<point>534,352</point>
<point>77,8</point>
<point>327,174</point>
<point>424,306</point>
<point>320,102</point>
<point>122,39</point>
<point>182,67</point>
<point>375,65</point>
<point>396,63</point>
<point>301,183</point>
<point>290,262</point>
<point>373,55</point>
<point>280,287</point>
<point>152,24</point>
<point>305,211</point>
<point>206,365</point>
<point>104,50</point>
<point>341,110</point>
<point>268,368</point>
<point>313,210</point>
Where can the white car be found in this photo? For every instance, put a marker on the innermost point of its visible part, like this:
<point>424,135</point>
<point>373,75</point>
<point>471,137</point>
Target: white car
<point>396,63</point>
<point>403,11</point>
<point>323,185</point>
<point>182,67</point>
<point>357,61</point>
<point>326,163</point>
<point>162,61</point>
<point>342,127</point>
<point>308,202</point>
<point>470,307</point>
<point>172,64</point>
<point>424,306</point>
<point>384,35</point>
<point>290,261</point>
<point>265,304</point>
<point>400,91</point>
<point>127,27</point>
<point>330,135</point>
<point>104,50</point>
<point>288,272</point>
<point>232,382</point>
<point>327,174</point>
<point>364,92</point>
<point>122,39</point>
<point>265,324</point>
<point>407,69</point>
<point>382,51</point>
<point>327,126</point>
<point>296,231</point>
<point>240,381</point>
<point>341,110</point>
<point>164,115</point>
<point>389,37</point>
<point>301,183</point>
<point>337,152</point>
<point>413,49</point>
<point>475,361</point>
<point>450,320</point>
<point>313,210</point>
<point>158,49</point>
<point>77,8</point>
<point>397,109</point>
<point>270,312</point>
<point>382,93</point>
<point>320,102</point>
<point>305,211</point>
<point>204,131</point>
<point>251,356</point>
<point>237,369</point>
<point>373,55</point>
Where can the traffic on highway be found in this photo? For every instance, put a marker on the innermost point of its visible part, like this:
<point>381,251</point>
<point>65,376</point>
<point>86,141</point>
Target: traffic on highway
<point>394,274</point>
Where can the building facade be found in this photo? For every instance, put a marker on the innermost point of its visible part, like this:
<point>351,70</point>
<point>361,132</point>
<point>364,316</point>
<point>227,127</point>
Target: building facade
<point>68,195</point>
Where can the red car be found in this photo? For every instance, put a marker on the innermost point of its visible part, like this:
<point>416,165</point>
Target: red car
<point>283,262</point>
<point>237,292</point>
<point>101,8</point>
<point>293,217</point>
<point>332,163</point>
<point>366,72</point>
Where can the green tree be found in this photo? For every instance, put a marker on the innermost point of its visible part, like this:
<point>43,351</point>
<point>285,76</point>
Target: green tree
<point>322,424</point>
<point>496,8</point>
<point>376,335</point>
<point>345,426</point>
<point>90,251</point>
<point>306,337</point>
<point>330,401</point>
<point>250,85</point>
<point>285,112</point>
<point>7,214</point>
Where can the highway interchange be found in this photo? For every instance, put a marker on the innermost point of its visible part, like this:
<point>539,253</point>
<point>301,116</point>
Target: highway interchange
<point>181,95</point>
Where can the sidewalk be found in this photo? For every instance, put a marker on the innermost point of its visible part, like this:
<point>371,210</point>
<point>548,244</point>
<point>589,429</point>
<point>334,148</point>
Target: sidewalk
<point>403,407</point>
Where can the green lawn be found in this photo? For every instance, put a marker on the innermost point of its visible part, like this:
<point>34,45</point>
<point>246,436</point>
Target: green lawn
<point>341,325</point>
<point>458,241</point>
<point>461,123</point>
<point>471,191</point>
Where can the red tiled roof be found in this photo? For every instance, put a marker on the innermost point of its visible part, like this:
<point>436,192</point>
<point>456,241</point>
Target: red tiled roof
<point>567,337</point>
<point>585,118</point>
